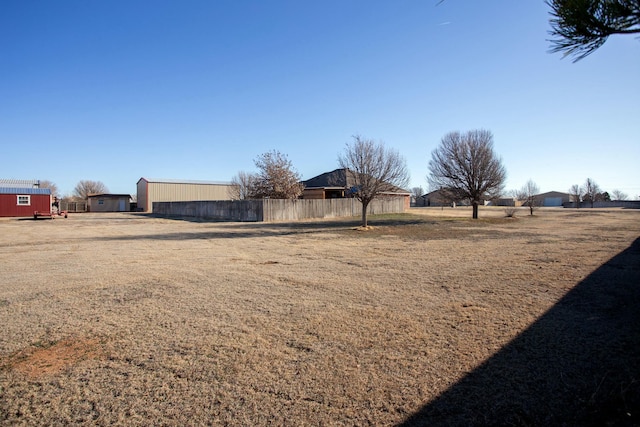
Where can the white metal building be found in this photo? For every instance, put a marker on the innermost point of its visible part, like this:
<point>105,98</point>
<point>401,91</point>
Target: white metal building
<point>552,198</point>
<point>20,183</point>
<point>173,190</point>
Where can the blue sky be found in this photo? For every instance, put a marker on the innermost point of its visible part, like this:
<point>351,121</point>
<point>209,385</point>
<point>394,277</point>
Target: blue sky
<point>112,91</point>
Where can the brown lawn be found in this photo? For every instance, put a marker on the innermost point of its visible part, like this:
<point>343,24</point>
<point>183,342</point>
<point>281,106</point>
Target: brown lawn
<point>429,318</point>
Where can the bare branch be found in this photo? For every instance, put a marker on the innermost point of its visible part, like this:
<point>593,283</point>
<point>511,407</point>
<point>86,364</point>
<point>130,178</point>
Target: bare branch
<point>467,168</point>
<point>50,185</point>
<point>590,191</point>
<point>241,185</point>
<point>619,195</point>
<point>374,169</point>
<point>527,195</point>
<point>85,188</point>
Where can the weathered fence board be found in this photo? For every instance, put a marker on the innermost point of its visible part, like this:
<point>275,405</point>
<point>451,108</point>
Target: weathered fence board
<point>225,210</point>
<point>276,209</point>
<point>73,206</point>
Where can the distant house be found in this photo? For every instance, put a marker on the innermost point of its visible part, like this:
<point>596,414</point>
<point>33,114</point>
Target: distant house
<point>507,201</point>
<point>172,190</point>
<point>434,198</point>
<point>109,202</point>
<point>438,198</point>
<point>24,201</point>
<point>552,199</point>
<point>339,184</point>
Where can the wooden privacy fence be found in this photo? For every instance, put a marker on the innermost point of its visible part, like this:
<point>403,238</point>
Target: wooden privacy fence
<point>73,206</point>
<point>276,209</point>
<point>627,204</point>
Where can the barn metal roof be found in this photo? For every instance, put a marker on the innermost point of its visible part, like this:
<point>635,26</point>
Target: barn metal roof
<point>19,183</point>
<point>98,195</point>
<point>183,181</point>
<point>339,178</point>
<point>24,190</point>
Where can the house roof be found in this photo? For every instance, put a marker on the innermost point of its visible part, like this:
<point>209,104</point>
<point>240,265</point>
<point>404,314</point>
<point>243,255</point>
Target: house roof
<point>442,194</point>
<point>25,190</point>
<point>435,193</point>
<point>553,194</point>
<point>19,183</point>
<point>182,181</point>
<point>109,195</point>
<point>339,178</point>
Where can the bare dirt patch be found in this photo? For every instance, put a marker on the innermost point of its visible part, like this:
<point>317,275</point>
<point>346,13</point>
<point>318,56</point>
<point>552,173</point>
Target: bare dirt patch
<point>429,318</point>
<point>47,358</point>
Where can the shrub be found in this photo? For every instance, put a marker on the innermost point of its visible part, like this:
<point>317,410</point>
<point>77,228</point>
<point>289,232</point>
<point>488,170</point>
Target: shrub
<point>510,212</point>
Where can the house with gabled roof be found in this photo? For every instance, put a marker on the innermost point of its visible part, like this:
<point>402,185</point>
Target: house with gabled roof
<point>439,198</point>
<point>339,184</point>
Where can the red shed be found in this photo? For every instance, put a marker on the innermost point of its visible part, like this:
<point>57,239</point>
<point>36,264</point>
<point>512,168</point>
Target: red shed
<point>24,201</point>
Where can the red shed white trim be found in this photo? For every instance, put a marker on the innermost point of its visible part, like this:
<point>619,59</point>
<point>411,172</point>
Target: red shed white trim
<point>19,202</point>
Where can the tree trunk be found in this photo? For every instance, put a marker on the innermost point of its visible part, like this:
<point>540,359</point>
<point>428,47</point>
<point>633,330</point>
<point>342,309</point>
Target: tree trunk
<point>364,212</point>
<point>475,209</point>
<point>531,209</point>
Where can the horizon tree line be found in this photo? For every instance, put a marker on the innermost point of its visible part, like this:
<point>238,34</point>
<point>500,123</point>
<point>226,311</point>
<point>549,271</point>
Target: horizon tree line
<point>463,167</point>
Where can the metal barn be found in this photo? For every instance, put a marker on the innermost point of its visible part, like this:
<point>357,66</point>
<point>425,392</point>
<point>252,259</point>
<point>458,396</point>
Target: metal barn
<point>169,190</point>
<point>20,202</point>
<point>552,199</point>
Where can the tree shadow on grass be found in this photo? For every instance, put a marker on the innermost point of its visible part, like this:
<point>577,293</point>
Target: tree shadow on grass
<point>235,230</point>
<point>577,365</point>
<point>317,223</point>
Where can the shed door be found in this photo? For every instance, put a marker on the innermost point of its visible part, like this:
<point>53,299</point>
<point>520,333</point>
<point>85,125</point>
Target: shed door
<point>121,205</point>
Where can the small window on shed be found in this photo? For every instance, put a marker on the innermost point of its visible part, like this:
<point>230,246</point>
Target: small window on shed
<point>101,201</point>
<point>24,200</point>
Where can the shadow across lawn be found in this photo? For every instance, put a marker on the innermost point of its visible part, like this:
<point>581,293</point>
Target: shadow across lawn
<point>577,365</point>
<point>380,220</point>
<point>234,230</point>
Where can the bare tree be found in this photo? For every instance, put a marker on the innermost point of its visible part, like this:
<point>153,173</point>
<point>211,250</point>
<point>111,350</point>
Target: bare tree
<point>448,198</point>
<point>84,188</point>
<point>374,169</point>
<point>582,26</point>
<point>576,194</point>
<point>466,166</point>
<point>276,179</point>
<point>416,193</point>
<point>619,195</point>
<point>50,185</point>
<point>241,185</point>
<point>527,195</point>
<point>590,191</point>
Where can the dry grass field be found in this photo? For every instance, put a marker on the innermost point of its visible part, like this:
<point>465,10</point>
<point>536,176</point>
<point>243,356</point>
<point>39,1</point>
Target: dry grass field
<point>430,318</point>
